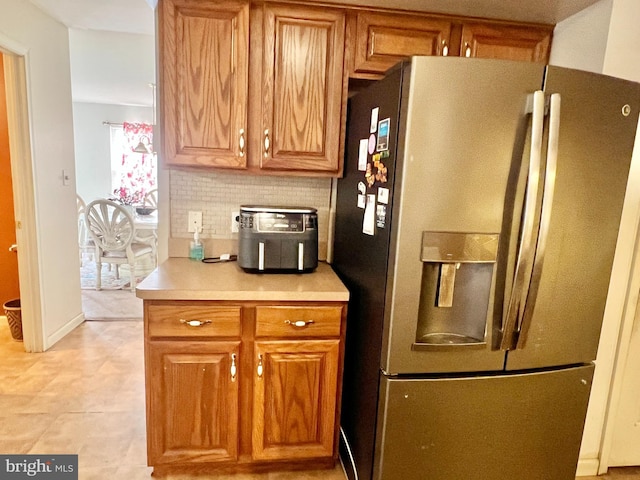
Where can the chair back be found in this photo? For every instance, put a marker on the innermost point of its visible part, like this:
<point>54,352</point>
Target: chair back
<point>151,198</point>
<point>80,203</point>
<point>110,225</point>
<point>82,228</point>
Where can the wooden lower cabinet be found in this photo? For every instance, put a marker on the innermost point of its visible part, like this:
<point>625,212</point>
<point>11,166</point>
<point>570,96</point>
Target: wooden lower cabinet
<point>242,386</point>
<point>294,394</point>
<point>193,401</point>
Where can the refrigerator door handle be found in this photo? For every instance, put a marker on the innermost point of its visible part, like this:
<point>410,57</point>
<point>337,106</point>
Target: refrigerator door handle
<point>545,216</point>
<point>525,249</point>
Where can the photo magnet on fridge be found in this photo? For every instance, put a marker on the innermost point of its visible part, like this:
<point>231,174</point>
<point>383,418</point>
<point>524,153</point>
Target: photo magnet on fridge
<point>383,195</point>
<point>383,135</point>
<point>381,216</point>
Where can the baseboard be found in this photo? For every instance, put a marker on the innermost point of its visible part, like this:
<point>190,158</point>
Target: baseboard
<point>587,467</point>
<point>63,331</point>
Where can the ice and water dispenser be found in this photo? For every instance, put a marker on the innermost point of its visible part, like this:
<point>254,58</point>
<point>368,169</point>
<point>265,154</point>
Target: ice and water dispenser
<point>457,275</point>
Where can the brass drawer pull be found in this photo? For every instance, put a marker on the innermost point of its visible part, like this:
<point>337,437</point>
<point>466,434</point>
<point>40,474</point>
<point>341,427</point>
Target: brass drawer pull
<point>195,323</point>
<point>299,323</point>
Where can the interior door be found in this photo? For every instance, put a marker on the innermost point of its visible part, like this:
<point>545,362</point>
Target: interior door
<point>9,287</point>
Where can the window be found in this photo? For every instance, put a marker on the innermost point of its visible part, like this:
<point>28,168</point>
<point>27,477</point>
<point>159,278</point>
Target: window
<point>133,173</point>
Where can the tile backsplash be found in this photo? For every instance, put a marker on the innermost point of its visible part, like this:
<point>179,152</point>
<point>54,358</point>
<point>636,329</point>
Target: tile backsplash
<point>218,194</point>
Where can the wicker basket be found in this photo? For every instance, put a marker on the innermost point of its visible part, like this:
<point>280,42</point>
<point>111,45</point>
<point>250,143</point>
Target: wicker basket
<point>14,316</point>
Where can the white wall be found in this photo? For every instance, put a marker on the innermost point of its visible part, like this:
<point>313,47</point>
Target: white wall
<point>46,47</point>
<point>604,39</point>
<point>111,73</point>
<point>580,42</point>
<point>622,58</point>
<point>93,167</point>
<point>111,67</point>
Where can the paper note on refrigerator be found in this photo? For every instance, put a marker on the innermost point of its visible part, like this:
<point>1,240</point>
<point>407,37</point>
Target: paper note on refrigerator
<point>362,154</point>
<point>369,220</point>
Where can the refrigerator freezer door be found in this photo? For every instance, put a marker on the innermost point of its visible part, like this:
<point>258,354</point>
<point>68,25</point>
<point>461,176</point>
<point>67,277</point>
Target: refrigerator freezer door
<point>466,132</point>
<point>595,144</point>
<point>525,427</point>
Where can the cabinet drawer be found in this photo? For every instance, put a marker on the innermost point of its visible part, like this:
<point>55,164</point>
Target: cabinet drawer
<point>173,321</point>
<point>298,321</point>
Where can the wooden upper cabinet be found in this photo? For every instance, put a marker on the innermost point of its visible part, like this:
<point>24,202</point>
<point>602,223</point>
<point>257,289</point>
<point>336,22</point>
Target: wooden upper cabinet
<point>204,61</point>
<point>377,41</point>
<point>302,88</point>
<point>507,42</point>
<point>382,40</point>
<point>293,67</point>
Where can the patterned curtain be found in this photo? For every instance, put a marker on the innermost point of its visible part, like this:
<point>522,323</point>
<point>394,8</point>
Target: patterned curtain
<point>138,170</point>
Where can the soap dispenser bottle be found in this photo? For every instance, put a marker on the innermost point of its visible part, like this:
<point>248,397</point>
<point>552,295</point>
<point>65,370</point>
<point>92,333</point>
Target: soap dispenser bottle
<point>196,248</point>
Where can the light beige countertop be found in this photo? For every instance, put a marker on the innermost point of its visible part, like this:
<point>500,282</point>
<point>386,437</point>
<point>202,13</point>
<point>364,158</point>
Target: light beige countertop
<point>184,279</point>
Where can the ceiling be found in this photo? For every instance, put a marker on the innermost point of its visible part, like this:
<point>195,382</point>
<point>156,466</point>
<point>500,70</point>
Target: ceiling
<point>127,16</point>
<point>136,16</point>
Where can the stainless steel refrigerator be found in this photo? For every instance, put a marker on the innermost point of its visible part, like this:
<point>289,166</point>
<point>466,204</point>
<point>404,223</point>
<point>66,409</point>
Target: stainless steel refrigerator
<point>475,228</point>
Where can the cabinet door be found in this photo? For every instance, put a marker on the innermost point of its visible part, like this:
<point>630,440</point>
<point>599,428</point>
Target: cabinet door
<point>204,63</point>
<point>383,40</point>
<point>295,387</point>
<point>193,401</point>
<point>302,91</point>
<point>523,43</point>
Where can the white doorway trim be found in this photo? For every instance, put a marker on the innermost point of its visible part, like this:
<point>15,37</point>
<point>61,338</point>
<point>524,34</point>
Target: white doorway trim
<point>624,342</point>
<point>628,314</point>
<point>18,117</point>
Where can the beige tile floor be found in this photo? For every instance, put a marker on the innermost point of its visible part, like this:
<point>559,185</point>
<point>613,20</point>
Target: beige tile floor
<point>86,396</point>
<point>627,473</point>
